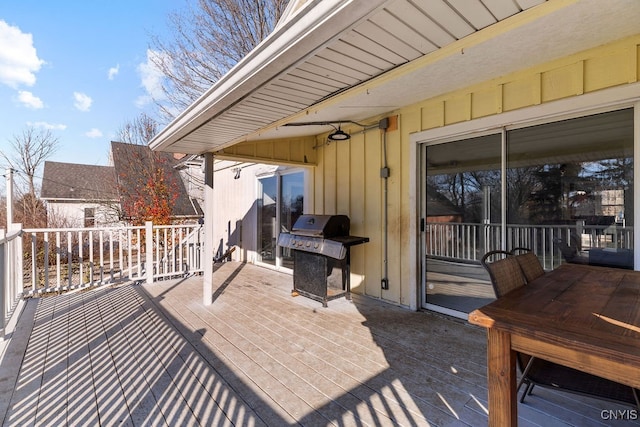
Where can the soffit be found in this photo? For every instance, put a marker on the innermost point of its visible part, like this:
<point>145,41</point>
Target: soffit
<point>348,43</point>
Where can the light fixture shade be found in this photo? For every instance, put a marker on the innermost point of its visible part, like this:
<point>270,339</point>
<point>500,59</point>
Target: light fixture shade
<point>339,135</point>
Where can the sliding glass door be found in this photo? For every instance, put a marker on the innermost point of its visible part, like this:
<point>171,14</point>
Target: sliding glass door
<point>563,189</point>
<point>462,205</point>
<point>280,203</point>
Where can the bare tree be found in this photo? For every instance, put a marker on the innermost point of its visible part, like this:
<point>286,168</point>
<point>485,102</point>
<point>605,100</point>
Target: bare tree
<point>207,40</point>
<point>29,151</point>
<point>138,131</point>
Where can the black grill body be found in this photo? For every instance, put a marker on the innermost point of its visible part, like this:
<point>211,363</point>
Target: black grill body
<point>321,247</point>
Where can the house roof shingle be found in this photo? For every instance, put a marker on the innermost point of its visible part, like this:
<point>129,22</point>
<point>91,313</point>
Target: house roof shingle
<point>73,181</point>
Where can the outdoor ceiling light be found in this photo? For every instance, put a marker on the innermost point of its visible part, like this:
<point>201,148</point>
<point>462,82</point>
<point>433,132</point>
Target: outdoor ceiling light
<point>339,135</point>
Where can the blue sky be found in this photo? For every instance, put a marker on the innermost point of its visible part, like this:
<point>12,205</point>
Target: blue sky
<point>79,68</point>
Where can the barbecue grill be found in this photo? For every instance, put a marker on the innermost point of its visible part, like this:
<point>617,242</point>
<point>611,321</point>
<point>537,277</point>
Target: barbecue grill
<point>321,247</point>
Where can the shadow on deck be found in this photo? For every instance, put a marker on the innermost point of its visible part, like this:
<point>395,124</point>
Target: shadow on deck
<point>154,355</point>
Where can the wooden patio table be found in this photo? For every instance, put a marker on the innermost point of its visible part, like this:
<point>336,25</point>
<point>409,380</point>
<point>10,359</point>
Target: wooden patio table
<point>580,316</point>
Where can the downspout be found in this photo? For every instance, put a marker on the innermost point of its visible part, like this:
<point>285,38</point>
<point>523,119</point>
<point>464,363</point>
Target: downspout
<point>384,174</point>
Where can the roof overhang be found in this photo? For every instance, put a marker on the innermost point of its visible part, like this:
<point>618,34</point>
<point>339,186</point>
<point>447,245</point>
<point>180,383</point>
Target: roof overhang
<point>337,60</point>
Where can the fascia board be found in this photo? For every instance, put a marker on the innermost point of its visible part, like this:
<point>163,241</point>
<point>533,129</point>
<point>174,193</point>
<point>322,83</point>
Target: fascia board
<point>286,46</point>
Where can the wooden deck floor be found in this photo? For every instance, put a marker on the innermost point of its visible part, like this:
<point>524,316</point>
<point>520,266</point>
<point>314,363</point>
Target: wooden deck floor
<point>154,355</point>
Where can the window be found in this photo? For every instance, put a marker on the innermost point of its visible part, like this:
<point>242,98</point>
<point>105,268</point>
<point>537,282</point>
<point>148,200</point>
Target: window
<point>89,217</point>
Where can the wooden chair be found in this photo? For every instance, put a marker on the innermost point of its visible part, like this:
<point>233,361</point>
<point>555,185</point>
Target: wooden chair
<point>551,375</point>
<point>529,263</point>
<point>506,275</point>
<point>504,271</point>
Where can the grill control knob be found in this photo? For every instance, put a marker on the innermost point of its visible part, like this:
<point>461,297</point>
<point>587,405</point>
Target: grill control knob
<point>308,244</point>
<point>316,245</point>
<point>293,242</point>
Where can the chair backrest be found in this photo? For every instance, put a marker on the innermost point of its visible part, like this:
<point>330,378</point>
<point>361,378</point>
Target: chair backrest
<point>529,263</point>
<point>505,272</point>
<point>569,253</point>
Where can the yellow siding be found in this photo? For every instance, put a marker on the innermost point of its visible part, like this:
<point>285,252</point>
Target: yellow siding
<point>486,102</point>
<point>395,222</point>
<point>329,153</point>
<point>357,211</point>
<point>520,93</point>
<point>584,72</point>
<point>562,82</point>
<point>409,123</point>
<point>318,201</point>
<point>295,151</point>
<point>433,115</point>
<point>607,71</point>
<point>373,213</point>
<point>343,177</point>
<point>457,109</point>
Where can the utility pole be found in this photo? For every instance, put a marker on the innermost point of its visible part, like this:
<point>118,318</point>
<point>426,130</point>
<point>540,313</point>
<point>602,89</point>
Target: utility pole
<point>9,177</point>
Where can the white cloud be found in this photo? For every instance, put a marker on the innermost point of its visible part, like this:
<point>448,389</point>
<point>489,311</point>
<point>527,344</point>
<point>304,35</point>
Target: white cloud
<point>151,78</point>
<point>82,101</point>
<point>113,72</point>
<point>46,125</point>
<point>29,100</point>
<point>94,133</point>
<point>18,58</point>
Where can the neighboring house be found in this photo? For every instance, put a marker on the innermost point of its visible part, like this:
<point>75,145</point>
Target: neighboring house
<point>499,98</point>
<point>93,196</point>
<point>80,195</point>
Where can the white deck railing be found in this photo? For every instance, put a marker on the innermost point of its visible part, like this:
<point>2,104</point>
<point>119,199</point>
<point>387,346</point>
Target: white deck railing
<point>10,274</point>
<point>469,241</point>
<point>60,259</point>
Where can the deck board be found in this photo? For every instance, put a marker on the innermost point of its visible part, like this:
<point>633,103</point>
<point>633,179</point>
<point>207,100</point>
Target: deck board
<point>152,354</point>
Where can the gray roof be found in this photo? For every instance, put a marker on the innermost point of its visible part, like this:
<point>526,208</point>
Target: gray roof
<point>72,181</point>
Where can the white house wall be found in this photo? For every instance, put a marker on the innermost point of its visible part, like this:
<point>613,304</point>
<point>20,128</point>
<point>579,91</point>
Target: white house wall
<point>235,213</point>
<point>71,214</point>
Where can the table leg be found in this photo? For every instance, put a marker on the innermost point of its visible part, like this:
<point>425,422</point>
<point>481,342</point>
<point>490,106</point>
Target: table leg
<point>501,373</point>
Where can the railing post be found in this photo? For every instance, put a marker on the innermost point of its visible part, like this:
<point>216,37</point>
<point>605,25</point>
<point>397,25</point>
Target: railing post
<point>34,259</point>
<point>149,250</point>
<point>17,260</point>
<point>5,276</point>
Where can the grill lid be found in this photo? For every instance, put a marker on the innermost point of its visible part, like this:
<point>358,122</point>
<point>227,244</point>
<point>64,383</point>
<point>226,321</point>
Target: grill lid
<point>321,225</point>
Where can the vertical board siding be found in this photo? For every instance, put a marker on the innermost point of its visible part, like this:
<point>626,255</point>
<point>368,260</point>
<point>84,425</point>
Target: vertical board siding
<point>373,206</point>
<point>318,204</point>
<point>407,124</point>
<point>343,177</point>
<point>329,153</point>
<point>395,216</point>
<point>357,211</point>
